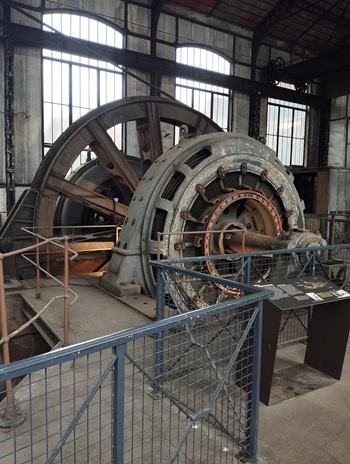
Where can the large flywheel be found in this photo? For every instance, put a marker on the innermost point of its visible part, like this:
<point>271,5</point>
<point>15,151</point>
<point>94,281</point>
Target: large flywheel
<point>122,172</point>
<point>100,191</point>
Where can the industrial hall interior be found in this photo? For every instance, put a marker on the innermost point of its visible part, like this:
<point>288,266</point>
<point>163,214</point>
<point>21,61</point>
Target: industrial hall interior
<point>175,231</point>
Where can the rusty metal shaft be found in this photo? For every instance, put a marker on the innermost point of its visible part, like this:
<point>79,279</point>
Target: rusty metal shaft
<point>233,241</point>
<point>250,241</point>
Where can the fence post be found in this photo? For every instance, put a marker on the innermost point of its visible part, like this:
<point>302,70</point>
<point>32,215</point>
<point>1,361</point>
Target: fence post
<point>66,293</point>
<point>118,405</point>
<point>253,419</point>
<point>332,230</point>
<point>158,245</point>
<point>159,336</point>
<point>313,262</point>
<point>248,269</point>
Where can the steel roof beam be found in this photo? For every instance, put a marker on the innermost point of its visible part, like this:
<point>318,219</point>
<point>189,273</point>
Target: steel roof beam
<point>33,37</point>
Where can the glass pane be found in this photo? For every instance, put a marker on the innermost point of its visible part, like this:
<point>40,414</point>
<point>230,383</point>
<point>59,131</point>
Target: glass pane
<point>271,141</point>
<point>286,122</point>
<point>116,134</point>
<point>78,112</point>
<point>298,152</point>
<point>220,110</point>
<point>110,87</point>
<point>47,84</point>
<point>202,102</point>
<point>299,124</point>
<point>48,123</point>
<point>284,150</point>
<point>184,95</point>
<point>60,120</point>
<point>272,119</point>
<point>66,27</point>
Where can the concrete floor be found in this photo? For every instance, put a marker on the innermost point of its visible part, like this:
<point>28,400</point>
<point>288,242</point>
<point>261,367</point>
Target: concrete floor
<point>312,428</point>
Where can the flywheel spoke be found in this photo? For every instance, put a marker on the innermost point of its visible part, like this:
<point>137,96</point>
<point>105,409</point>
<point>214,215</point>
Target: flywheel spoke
<point>149,135</point>
<point>111,157</point>
<point>87,197</point>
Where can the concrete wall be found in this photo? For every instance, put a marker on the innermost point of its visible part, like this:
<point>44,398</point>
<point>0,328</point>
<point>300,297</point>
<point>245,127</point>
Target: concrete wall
<point>339,140</point>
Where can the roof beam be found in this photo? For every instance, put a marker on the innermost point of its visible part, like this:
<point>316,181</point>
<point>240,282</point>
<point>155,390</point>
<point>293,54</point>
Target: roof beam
<point>34,37</point>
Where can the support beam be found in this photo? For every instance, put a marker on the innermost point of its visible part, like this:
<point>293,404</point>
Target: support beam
<point>9,125</point>
<point>157,6</point>
<point>32,37</point>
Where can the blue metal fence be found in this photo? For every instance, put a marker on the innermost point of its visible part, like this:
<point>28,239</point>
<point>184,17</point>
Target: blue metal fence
<point>330,263</point>
<point>184,388</point>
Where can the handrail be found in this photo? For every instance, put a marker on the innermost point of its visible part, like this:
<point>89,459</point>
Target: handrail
<point>72,236</point>
<point>6,337</point>
<point>30,321</point>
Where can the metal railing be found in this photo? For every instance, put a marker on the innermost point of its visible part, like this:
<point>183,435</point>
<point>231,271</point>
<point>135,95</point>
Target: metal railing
<point>184,388</point>
<point>81,239</point>
<point>79,232</point>
<point>27,253</point>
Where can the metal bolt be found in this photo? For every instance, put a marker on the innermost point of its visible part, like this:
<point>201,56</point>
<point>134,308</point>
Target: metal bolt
<point>264,175</point>
<point>244,168</point>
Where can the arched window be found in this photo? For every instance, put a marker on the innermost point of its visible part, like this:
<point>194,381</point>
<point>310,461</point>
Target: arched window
<point>211,100</point>
<point>74,85</point>
<point>286,129</point>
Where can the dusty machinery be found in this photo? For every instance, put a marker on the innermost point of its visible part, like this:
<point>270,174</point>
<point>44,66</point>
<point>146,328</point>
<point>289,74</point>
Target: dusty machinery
<point>210,181</point>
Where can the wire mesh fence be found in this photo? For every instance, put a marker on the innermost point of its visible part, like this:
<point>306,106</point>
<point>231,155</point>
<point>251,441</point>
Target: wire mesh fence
<point>335,228</point>
<point>331,263</point>
<point>181,389</point>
